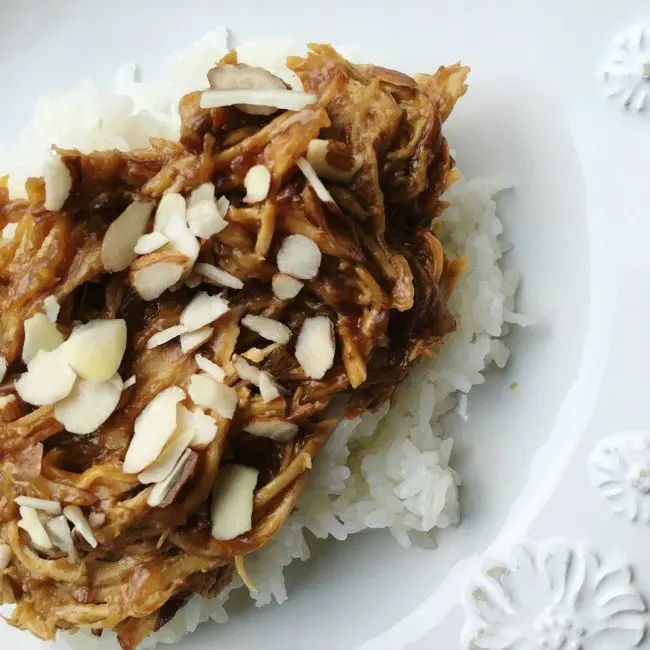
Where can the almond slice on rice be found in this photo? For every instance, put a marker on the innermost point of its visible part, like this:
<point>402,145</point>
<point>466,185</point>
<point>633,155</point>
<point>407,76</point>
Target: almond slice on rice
<point>268,389</point>
<point>122,235</point>
<point>172,208</point>
<point>89,405</point>
<point>153,428</point>
<point>205,429</point>
<point>210,368</point>
<point>151,275</point>
<point>299,257</point>
<point>150,242</point>
<point>160,469</point>
<point>315,346</point>
<point>51,308</point>
<point>59,533</point>
<point>232,501</point>
<point>5,556</point>
<point>45,505</point>
<point>58,183</point>
<point>202,310</point>
<point>321,191</point>
<point>164,493</point>
<point>31,524</point>
<point>331,160</point>
<point>95,349</point>
<point>40,334</point>
<point>257,183</point>
<point>76,517</point>
<point>257,355</point>
<point>282,99</point>
<point>218,276</point>
<point>192,341</point>
<point>285,287</point>
<point>166,335</point>
<point>273,428</point>
<point>267,328</point>
<point>214,395</point>
<point>49,378</point>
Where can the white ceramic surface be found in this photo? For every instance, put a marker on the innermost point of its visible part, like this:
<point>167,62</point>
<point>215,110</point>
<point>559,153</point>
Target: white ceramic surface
<point>537,466</point>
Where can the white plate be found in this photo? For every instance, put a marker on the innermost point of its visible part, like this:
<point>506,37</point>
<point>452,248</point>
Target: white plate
<point>536,111</point>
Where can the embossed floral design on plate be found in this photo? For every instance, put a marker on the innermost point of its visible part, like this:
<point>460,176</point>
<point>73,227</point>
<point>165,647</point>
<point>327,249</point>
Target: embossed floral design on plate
<point>554,596</point>
<point>619,468</point>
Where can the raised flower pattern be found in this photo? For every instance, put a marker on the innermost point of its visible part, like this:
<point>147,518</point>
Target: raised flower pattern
<point>619,468</point>
<point>553,596</point>
<point>627,74</point>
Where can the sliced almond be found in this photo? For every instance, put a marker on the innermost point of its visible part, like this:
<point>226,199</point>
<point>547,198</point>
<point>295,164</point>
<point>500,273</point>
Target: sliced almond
<point>46,505</point>
<point>49,378</point>
<point>204,192</point>
<point>278,430</point>
<point>51,308</point>
<point>31,524</point>
<point>315,346</point>
<point>150,242</point>
<point>243,76</point>
<point>299,257</point>
<point>268,390</point>
<point>285,287</point>
<point>205,429</point>
<point>122,235</point>
<point>217,276</point>
<point>164,336</point>
<point>5,556</point>
<point>129,382</point>
<point>40,334</point>
<point>160,469</point>
<point>153,428</point>
<point>202,310</point>
<point>89,405</point>
<point>59,533</point>
<point>291,100</point>
<point>331,160</point>
<point>204,219</point>
<point>321,191</point>
<point>257,355</point>
<point>245,370</point>
<point>257,183</point>
<point>268,328</point>
<point>171,209</point>
<point>183,240</point>
<point>192,341</point>
<point>223,205</point>
<point>3,367</point>
<point>164,493</point>
<point>76,517</point>
<point>211,394</point>
<point>210,368</point>
<point>153,274</point>
<point>95,350</point>
<point>96,519</point>
<point>232,501</point>
<point>9,232</point>
<point>58,183</point>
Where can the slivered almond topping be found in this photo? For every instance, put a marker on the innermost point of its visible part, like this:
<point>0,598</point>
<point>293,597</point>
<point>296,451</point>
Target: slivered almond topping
<point>217,276</point>
<point>245,370</point>
<point>49,378</point>
<point>150,242</point>
<point>183,240</point>
<point>153,428</point>
<point>275,429</point>
<point>223,205</point>
<point>171,209</point>
<point>151,275</point>
<point>89,405</point>
<point>210,368</point>
<point>8,233</point>
<point>122,235</point>
<point>40,334</point>
<point>242,76</point>
<point>3,367</point>
<point>165,336</point>
<point>46,505</point>
<point>202,310</point>
<point>31,524</point>
<point>194,340</point>
<point>76,517</point>
<point>291,100</point>
<point>268,328</point>
<point>96,519</point>
<point>204,192</point>
<point>285,287</point>
<point>268,389</point>
<point>299,257</point>
<point>51,308</point>
<point>257,183</point>
<point>129,382</point>
<point>211,394</point>
<point>321,191</point>
<point>232,501</point>
<point>5,556</point>
<point>58,183</point>
<point>204,219</point>
<point>315,346</point>
<point>331,160</point>
<point>257,355</point>
<point>59,533</point>
<point>164,493</point>
<point>205,429</point>
<point>95,350</point>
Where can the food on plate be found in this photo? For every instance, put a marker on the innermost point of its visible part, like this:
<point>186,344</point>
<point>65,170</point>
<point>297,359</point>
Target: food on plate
<point>178,319</point>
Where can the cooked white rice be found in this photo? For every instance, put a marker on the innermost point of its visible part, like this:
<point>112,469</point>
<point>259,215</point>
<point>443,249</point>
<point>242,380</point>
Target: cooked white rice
<point>384,470</point>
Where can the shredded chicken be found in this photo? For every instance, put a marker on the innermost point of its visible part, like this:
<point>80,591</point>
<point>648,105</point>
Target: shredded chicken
<point>383,283</point>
